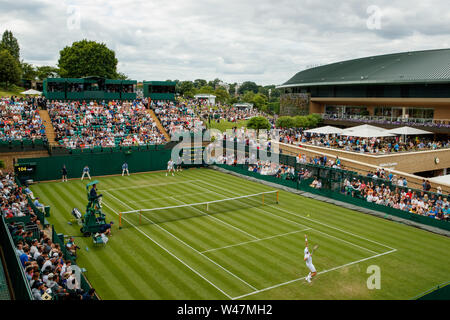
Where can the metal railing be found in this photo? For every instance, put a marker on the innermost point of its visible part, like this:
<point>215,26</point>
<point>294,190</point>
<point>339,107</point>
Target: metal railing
<point>20,285</point>
<point>388,120</point>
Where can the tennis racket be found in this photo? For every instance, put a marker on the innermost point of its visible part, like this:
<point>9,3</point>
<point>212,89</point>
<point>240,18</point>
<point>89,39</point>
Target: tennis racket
<point>316,246</point>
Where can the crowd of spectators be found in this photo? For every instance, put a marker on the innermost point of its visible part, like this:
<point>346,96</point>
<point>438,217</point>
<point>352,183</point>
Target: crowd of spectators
<point>20,119</point>
<point>87,125</point>
<point>268,168</point>
<point>50,276</point>
<point>14,201</point>
<point>374,145</point>
<point>178,117</point>
<point>227,113</point>
<point>421,203</point>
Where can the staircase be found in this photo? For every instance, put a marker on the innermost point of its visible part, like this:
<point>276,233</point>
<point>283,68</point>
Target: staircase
<point>158,124</point>
<point>49,130</point>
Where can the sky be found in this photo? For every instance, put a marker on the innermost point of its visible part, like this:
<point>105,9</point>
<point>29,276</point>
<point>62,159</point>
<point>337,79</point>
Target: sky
<point>264,41</point>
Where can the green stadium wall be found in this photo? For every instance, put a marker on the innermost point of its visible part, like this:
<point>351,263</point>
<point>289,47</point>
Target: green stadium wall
<point>100,164</point>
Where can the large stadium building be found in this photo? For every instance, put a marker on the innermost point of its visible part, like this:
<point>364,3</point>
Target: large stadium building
<point>411,87</point>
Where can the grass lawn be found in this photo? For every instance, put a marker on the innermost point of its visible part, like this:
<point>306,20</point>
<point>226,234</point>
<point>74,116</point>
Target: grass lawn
<point>13,91</point>
<point>247,253</point>
<point>224,125</point>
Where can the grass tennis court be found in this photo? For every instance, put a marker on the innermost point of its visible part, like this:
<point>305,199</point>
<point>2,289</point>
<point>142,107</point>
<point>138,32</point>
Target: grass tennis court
<point>241,253</point>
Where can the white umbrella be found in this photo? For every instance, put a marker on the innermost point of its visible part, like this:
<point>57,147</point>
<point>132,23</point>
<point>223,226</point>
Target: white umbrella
<point>31,92</point>
<point>325,130</point>
<point>408,131</point>
<point>366,131</point>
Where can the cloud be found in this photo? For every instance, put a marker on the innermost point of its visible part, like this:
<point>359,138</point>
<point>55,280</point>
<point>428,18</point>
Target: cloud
<point>236,40</point>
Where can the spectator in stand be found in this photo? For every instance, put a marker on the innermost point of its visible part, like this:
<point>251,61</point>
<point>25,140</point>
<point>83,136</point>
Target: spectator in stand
<point>20,119</point>
<point>87,125</point>
<point>45,269</point>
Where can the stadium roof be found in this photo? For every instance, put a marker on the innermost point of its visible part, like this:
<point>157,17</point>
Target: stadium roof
<point>431,66</point>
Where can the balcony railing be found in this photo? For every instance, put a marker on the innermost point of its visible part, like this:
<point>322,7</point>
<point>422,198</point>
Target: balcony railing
<point>439,123</point>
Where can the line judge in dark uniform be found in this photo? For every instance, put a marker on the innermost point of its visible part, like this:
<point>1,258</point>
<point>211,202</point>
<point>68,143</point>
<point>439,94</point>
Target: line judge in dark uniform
<point>64,173</point>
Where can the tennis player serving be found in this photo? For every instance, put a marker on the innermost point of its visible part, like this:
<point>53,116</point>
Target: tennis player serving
<point>308,260</point>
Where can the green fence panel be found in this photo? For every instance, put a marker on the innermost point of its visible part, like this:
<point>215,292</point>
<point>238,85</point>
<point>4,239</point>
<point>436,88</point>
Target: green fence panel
<point>19,282</point>
<point>441,292</point>
<point>102,163</point>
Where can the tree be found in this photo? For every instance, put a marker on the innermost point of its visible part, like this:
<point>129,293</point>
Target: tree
<point>221,95</point>
<point>232,90</point>
<point>10,43</point>
<point>88,58</point>
<point>285,122</point>
<point>122,76</point>
<point>198,83</point>
<point>260,101</point>
<point>185,86</point>
<point>248,86</point>
<point>258,123</point>
<point>9,68</point>
<point>206,90</point>
<point>214,84</point>
<point>232,100</point>
<point>248,97</point>
<point>28,71</point>
<point>274,107</point>
<point>301,122</point>
<point>45,72</point>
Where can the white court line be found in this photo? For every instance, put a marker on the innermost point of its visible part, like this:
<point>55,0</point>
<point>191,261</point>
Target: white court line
<point>257,208</point>
<point>173,255</point>
<point>149,185</point>
<point>225,223</point>
<point>253,241</point>
<point>195,250</point>
<point>291,213</point>
<point>159,198</point>
<point>326,234</point>
<point>321,272</point>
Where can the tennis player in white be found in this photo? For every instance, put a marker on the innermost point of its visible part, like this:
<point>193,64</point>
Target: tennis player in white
<point>170,165</point>
<point>308,260</point>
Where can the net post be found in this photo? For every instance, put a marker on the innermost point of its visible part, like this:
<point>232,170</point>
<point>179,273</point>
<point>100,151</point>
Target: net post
<point>278,193</point>
<point>263,198</point>
<point>120,220</point>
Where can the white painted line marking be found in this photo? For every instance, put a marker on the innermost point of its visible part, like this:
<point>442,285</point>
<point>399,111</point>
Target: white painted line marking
<point>172,254</point>
<point>187,245</point>
<point>321,272</point>
<point>258,240</point>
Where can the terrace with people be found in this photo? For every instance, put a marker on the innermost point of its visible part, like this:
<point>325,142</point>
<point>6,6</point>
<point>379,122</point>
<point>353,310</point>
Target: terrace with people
<point>87,125</point>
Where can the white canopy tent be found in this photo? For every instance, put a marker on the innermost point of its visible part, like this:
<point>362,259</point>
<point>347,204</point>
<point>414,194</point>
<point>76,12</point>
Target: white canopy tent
<point>366,131</point>
<point>31,92</point>
<point>325,130</point>
<point>408,131</point>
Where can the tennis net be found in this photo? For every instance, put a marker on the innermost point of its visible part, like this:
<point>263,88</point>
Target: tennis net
<point>186,211</point>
